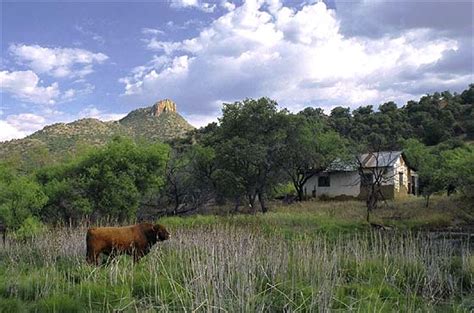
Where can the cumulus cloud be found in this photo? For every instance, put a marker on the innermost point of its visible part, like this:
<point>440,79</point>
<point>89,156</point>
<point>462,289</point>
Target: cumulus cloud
<point>57,62</point>
<point>20,125</point>
<point>26,122</point>
<point>200,120</point>
<point>25,86</point>
<point>298,56</point>
<point>379,18</point>
<point>93,112</point>
<point>198,4</point>
<point>9,132</point>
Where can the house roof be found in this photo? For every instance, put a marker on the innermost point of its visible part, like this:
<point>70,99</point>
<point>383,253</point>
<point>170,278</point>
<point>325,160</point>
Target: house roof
<point>379,159</point>
<point>368,160</point>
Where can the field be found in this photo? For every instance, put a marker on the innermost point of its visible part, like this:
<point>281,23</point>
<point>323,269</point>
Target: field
<point>308,257</point>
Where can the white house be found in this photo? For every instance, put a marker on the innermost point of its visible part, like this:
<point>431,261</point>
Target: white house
<point>350,180</point>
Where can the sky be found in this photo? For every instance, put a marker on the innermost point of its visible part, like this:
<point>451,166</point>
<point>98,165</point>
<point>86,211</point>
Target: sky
<point>61,61</point>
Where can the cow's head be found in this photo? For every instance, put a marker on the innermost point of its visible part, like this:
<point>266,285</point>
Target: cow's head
<point>161,232</point>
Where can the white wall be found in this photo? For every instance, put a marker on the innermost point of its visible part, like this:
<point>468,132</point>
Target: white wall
<point>348,183</point>
<point>341,183</point>
<point>401,167</point>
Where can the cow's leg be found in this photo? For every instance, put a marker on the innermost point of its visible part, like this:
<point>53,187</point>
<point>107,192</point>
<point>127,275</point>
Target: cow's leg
<point>137,255</point>
<point>110,257</point>
<point>140,253</point>
<point>93,256</point>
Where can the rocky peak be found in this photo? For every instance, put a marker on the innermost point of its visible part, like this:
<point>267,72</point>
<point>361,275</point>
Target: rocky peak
<point>161,106</point>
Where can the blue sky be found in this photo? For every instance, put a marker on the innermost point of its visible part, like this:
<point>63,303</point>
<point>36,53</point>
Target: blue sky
<point>67,60</point>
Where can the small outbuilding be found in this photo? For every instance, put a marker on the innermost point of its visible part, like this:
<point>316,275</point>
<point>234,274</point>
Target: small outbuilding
<point>352,179</point>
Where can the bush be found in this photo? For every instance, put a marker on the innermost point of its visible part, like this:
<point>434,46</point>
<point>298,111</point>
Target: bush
<point>30,228</point>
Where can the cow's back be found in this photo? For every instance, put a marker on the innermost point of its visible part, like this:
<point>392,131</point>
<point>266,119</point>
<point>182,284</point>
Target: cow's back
<point>120,238</point>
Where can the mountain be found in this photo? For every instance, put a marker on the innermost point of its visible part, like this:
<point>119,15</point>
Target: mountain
<point>159,122</point>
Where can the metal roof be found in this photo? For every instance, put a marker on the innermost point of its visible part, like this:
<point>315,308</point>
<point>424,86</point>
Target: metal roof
<point>380,159</point>
<point>368,160</point>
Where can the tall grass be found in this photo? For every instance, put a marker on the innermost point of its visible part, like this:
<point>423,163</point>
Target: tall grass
<point>236,266</point>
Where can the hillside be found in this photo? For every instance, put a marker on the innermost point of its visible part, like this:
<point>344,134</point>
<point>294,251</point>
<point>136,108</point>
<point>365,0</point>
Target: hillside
<point>159,122</point>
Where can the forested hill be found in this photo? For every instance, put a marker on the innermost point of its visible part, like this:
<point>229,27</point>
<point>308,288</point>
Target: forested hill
<point>257,152</point>
<point>151,124</point>
<point>432,119</point>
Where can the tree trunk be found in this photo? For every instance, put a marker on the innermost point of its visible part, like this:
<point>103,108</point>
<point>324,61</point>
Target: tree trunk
<point>261,198</point>
<point>251,199</point>
<point>300,193</point>
<point>237,204</point>
<point>427,200</point>
<point>176,201</point>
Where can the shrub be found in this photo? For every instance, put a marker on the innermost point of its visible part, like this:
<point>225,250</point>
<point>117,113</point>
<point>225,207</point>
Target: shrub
<point>30,228</point>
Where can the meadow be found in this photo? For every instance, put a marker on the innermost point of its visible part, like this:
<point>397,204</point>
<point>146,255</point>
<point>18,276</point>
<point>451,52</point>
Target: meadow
<point>305,257</point>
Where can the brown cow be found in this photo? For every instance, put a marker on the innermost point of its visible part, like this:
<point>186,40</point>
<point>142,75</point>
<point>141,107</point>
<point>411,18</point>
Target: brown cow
<point>135,240</point>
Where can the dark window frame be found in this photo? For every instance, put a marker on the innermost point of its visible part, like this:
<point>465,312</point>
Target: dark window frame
<point>366,179</point>
<point>324,181</point>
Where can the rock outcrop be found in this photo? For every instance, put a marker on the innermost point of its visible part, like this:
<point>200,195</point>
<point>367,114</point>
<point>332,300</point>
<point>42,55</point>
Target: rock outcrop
<point>165,105</point>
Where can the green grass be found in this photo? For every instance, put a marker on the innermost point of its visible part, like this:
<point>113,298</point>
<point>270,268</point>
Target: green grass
<point>299,258</point>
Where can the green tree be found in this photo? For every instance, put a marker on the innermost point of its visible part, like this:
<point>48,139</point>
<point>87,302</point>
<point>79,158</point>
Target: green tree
<point>247,144</point>
<point>20,197</point>
<point>459,169</point>
<point>429,166</point>
<point>107,181</point>
<point>308,150</point>
<point>341,121</point>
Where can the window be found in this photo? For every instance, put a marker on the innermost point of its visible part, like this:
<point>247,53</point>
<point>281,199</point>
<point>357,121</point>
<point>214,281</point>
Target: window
<point>366,179</point>
<point>400,178</point>
<point>324,181</point>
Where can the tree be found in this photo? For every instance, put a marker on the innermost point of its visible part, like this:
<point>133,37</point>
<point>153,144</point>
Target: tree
<point>428,165</point>
<point>189,178</point>
<point>341,121</point>
<point>20,197</point>
<point>459,169</point>
<point>308,151</point>
<point>371,162</point>
<point>107,181</point>
<point>247,144</point>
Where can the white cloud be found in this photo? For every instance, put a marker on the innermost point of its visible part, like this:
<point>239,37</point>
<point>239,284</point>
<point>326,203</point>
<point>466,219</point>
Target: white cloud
<point>20,125</point>
<point>200,120</point>
<point>93,112</point>
<point>152,31</point>
<point>26,122</point>
<point>57,62</point>
<point>297,56</point>
<point>198,4</point>
<point>25,85</point>
<point>9,132</point>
